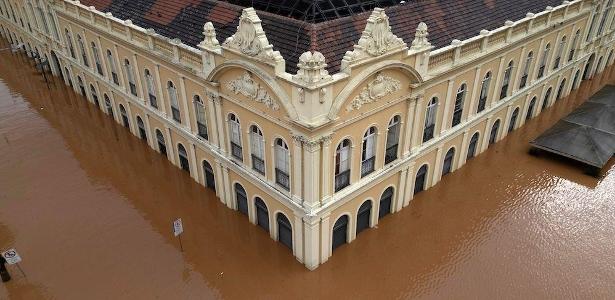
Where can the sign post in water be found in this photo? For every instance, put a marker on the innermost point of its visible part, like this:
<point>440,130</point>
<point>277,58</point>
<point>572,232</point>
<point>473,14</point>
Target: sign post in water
<point>12,258</point>
<point>178,229</point>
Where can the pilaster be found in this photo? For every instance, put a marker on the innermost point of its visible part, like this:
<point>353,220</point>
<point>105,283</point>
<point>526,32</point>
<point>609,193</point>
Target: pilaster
<point>311,164</point>
<point>475,93</point>
<point>409,126</point>
<point>446,121</point>
<point>437,171</point>
<point>311,226</point>
<point>297,180</point>
<point>326,168</point>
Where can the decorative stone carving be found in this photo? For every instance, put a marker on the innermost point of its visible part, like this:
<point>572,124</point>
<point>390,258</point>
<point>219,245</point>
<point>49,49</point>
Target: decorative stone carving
<point>210,41</point>
<point>377,38</point>
<point>312,68</point>
<point>214,97</point>
<point>381,86</point>
<point>249,88</point>
<point>420,37</point>
<point>250,38</point>
<point>301,93</point>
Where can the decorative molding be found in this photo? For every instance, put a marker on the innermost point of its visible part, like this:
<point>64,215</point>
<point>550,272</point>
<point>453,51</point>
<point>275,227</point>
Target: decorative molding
<point>250,39</point>
<point>209,41</point>
<point>249,88</point>
<point>420,38</point>
<point>312,68</point>
<point>380,87</point>
<point>377,38</point>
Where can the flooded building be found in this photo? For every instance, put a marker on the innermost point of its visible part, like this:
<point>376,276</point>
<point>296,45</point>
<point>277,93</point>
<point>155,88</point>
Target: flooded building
<point>316,120</point>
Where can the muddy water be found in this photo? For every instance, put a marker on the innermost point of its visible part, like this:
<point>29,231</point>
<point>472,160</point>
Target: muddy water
<point>89,208</point>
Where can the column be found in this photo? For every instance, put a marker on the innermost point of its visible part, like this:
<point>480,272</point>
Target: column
<point>184,99</point>
<point>487,133</point>
<point>497,83</point>
<point>120,70</point>
<point>131,124</point>
<point>418,125</point>
<point>220,122</point>
<point>326,168</point>
<point>537,59</point>
<point>195,165</point>
<point>445,120</point>
<point>523,113</point>
<point>409,126</point>
<point>298,237</point>
<point>325,245</point>
<point>475,93</point>
<point>296,160</point>
<point>409,189</point>
<point>151,141</point>
<point>520,68</point>
<point>103,59</point>
<point>227,187</point>
<point>401,190</point>
<point>170,146</point>
<point>137,74</point>
<point>463,152</point>
<point>212,121</point>
<point>437,171</point>
<point>311,162</point>
<point>221,189</point>
<point>311,237</point>
<point>161,93</point>
<point>506,122</point>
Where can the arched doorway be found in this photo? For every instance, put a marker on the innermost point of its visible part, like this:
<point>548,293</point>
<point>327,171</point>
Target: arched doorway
<point>124,115</point>
<point>472,146</point>
<point>513,120</point>
<point>262,214</point>
<point>210,181</point>
<point>363,216</point>
<point>161,144</point>
<point>448,161</point>
<point>575,81</point>
<point>70,81</point>
<point>530,109</point>
<point>588,67</point>
<point>560,90</point>
<point>81,87</point>
<point>108,106</point>
<point>385,203</point>
<point>545,101</point>
<point>242,199</point>
<point>419,183</point>
<point>598,67</point>
<point>285,231</point>
<point>141,126</point>
<point>494,132</point>
<point>340,232</point>
<point>183,158</point>
<point>94,95</point>
<point>57,67</point>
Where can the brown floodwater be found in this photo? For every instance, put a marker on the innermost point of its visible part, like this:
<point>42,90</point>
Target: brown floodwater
<point>89,208</point>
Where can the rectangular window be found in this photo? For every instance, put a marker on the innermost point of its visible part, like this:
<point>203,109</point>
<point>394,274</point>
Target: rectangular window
<point>282,167</point>
<point>236,149</point>
<point>174,104</point>
<point>258,152</point>
<point>201,120</point>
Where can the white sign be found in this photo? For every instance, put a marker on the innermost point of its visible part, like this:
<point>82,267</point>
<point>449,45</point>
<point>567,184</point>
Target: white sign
<point>11,256</point>
<point>178,227</point>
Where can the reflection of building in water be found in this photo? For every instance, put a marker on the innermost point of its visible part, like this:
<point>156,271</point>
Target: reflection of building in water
<point>315,130</point>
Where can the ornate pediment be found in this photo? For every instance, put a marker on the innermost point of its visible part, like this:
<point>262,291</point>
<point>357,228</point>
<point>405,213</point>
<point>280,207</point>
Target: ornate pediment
<point>375,90</point>
<point>250,39</point>
<point>251,89</point>
<point>377,38</point>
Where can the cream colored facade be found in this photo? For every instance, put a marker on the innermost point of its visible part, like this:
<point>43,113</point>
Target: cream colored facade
<point>302,136</point>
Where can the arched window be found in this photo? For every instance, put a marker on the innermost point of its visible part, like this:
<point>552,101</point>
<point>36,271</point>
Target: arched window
<point>262,214</point>
<point>545,102</point>
<point>574,45</point>
<point>124,115</point>
<point>575,81</point>
<point>342,165</point>
<point>506,80</point>
<point>340,232</point>
<point>368,151</point>
<point>111,62</point>
<point>605,15</point>
<point>447,167</point>
<point>210,179</point>
<point>421,180</point>
<point>473,146</point>
<point>386,201</point>
<point>235,136</point>
<point>587,73</point>
<point>430,119</point>
<point>161,143</point>
<point>484,92</point>
<point>282,163</point>
<point>108,105</point>
<point>130,75</point>
<point>609,60</point>
<point>364,216</point>
<point>592,24</point>
<point>257,145</point>
<point>513,120</point>
<point>151,89</point>
<point>494,132</point>
<point>285,231</point>
<point>54,27</point>
<point>560,50</point>
<point>184,163</point>
<point>94,95</point>
<point>543,61</point>
<point>96,55</point>
<point>392,140</point>
<point>459,99</point>
<point>174,101</point>
<point>530,109</point>
<point>81,46</point>
<point>141,126</point>
<point>242,199</point>
<point>201,118</point>
<point>69,42</point>
<point>560,90</point>
<point>81,86</point>
<point>598,66</point>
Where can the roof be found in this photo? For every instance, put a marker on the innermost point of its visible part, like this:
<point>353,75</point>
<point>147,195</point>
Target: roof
<point>587,134</point>
<point>446,19</point>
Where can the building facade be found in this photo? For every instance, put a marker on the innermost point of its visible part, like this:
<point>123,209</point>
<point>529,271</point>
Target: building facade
<point>317,154</point>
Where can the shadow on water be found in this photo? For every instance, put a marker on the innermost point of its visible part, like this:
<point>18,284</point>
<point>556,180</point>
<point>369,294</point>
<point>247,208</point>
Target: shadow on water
<point>90,207</point>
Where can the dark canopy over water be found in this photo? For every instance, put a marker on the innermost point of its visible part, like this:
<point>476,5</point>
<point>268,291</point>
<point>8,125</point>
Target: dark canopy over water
<point>89,208</point>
